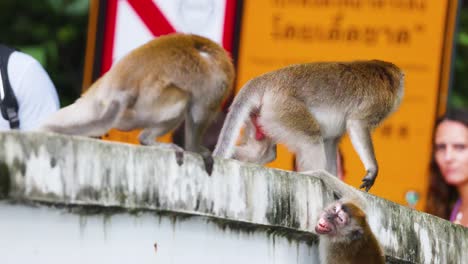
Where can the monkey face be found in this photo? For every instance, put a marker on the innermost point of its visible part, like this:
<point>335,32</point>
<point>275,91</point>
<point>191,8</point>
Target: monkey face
<point>333,219</point>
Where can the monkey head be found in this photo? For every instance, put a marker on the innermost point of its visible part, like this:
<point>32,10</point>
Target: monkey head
<point>341,221</point>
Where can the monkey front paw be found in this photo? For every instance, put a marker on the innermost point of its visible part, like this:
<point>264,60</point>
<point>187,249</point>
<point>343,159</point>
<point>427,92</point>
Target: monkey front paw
<point>368,181</point>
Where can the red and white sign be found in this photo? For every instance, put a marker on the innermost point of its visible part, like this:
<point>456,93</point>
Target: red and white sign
<point>131,23</point>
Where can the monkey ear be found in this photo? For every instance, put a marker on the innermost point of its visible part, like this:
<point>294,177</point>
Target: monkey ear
<point>356,234</point>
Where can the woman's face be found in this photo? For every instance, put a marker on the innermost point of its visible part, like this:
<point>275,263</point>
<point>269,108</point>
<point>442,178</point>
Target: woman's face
<point>451,151</point>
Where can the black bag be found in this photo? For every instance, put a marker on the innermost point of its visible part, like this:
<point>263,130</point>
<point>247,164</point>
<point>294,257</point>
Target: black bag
<point>8,102</point>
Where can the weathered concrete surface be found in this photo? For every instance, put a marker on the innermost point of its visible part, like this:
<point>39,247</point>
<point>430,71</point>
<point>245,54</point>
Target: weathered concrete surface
<point>47,234</point>
<point>81,171</point>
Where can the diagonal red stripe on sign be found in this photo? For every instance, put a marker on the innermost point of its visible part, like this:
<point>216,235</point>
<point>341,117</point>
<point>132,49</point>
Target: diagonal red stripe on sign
<point>229,20</point>
<point>152,17</point>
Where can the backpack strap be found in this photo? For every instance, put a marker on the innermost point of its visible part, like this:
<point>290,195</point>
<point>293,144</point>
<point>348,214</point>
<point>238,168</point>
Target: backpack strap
<point>8,103</point>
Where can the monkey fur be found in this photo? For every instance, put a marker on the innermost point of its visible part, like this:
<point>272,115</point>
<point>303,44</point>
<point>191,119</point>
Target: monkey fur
<point>345,236</point>
<point>308,107</point>
<point>155,87</point>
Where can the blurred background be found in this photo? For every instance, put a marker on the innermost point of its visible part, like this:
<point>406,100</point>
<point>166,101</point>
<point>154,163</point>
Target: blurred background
<point>52,31</point>
<point>459,96</point>
<point>418,36</point>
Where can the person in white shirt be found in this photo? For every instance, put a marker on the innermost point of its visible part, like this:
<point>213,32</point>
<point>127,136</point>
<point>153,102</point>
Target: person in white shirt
<point>35,93</point>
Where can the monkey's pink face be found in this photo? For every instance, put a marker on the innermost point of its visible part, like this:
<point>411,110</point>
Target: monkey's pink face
<point>331,220</point>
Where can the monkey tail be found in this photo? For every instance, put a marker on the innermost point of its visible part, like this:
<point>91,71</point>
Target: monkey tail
<point>244,103</point>
<point>344,191</point>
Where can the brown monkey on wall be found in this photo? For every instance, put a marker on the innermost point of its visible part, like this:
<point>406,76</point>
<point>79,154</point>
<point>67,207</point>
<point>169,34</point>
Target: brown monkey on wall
<point>169,79</point>
<point>308,107</point>
<point>345,236</point>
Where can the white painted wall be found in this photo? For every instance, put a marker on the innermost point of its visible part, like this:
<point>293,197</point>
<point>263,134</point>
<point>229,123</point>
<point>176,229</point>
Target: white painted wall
<point>41,234</point>
<point>58,169</point>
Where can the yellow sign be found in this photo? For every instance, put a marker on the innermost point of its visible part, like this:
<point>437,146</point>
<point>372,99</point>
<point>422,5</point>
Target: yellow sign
<point>409,33</point>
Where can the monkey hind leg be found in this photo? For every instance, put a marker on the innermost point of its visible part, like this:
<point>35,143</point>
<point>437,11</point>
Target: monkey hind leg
<point>148,136</point>
<point>291,123</point>
<point>84,117</point>
<point>198,117</point>
<point>157,114</point>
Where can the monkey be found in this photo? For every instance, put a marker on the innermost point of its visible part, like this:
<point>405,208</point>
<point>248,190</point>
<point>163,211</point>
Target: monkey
<point>308,107</point>
<point>345,236</point>
<point>155,87</point>
<point>344,233</point>
<point>342,227</point>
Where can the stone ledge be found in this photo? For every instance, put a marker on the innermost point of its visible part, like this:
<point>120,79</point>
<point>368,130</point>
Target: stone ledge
<point>81,171</point>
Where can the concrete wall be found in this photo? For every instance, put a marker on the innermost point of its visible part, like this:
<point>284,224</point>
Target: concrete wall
<point>46,234</point>
<point>120,181</point>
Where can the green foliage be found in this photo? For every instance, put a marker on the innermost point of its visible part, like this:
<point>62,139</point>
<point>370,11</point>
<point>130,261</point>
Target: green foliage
<point>459,92</point>
<point>52,31</point>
